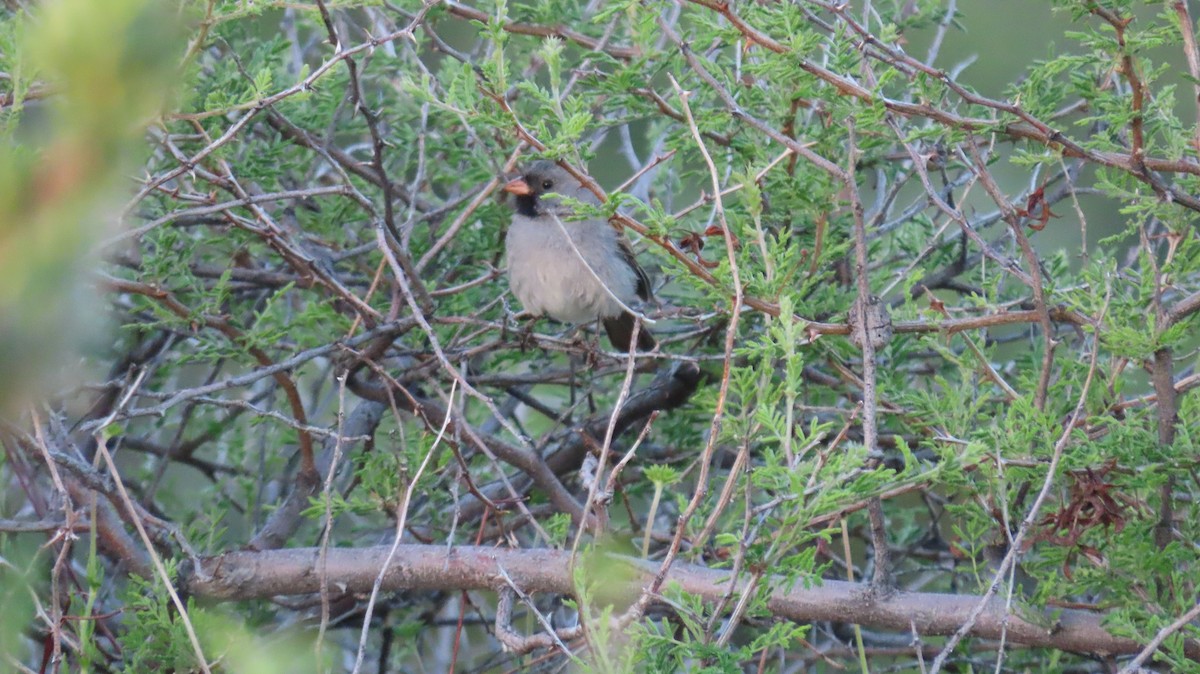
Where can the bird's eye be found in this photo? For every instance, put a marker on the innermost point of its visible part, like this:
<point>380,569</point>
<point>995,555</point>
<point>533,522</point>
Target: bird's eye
<point>547,184</point>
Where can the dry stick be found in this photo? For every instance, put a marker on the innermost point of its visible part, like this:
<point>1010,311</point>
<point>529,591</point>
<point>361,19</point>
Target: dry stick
<point>989,371</point>
<point>66,535</point>
<point>484,278</point>
<point>241,405</point>
<point>705,199</point>
<point>650,166</point>
<point>462,598</point>
<point>402,517</point>
<point>406,229</point>
<point>1135,665</point>
<point>1010,592</point>
<point>1187,30</point>
<point>155,559</point>
<point>1069,182</point>
<point>526,644</point>
<point>514,642</point>
<point>31,526</point>
<point>328,528</point>
<point>1035,271</point>
<point>1184,385</point>
<point>747,536</point>
<point>459,221</point>
<point>375,279</point>
<point>666,109</point>
<point>610,484</point>
<point>846,552</point>
<point>606,447</point>
<point>726,495</point>
<point>377,147</point>
<point>935,45</point>
<point>745,596</point>
<point>714,430</point>
<point>1014,549</point>
<point>880,579</point>
<point>249,377</point>
<point>917,647</point>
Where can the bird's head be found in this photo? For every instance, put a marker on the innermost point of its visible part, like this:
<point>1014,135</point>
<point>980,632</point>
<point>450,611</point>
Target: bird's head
<point>538,188</point>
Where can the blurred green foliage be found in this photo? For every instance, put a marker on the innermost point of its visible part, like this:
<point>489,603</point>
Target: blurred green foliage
<point>86,79</point>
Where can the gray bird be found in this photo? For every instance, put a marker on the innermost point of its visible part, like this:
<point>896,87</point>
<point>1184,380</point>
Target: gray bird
<point>572,270</point>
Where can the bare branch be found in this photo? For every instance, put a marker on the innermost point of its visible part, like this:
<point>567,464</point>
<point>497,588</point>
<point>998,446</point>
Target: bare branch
<point>237,576</point>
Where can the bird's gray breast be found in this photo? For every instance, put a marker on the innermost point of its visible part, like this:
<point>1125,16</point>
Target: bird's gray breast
<point>568,270</point>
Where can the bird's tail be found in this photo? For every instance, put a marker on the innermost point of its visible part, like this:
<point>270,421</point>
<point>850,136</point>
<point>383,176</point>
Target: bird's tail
<point>620,333</point>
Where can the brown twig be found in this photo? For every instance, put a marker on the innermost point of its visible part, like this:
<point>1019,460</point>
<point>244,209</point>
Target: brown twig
<point>867,331</point>
<point>1034,264</point>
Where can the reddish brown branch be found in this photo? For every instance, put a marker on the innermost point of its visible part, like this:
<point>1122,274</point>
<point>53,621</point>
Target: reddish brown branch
<point>537,30</point>
<point>1027,128</point>
<point>1129,70</point>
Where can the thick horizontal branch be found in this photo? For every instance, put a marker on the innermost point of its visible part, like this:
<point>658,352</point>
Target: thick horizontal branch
<point>252,575</point>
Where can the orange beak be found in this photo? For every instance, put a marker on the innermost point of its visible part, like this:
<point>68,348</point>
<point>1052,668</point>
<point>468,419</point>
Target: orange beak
<point>519,187</point>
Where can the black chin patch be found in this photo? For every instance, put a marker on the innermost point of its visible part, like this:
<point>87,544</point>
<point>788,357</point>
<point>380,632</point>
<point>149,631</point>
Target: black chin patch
<point>527,205</point>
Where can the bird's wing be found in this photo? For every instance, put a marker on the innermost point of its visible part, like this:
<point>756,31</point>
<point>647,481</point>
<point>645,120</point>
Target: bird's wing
<point>643,281</point>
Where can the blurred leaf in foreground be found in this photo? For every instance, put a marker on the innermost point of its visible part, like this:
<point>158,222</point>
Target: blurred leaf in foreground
<point>106,70</point>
